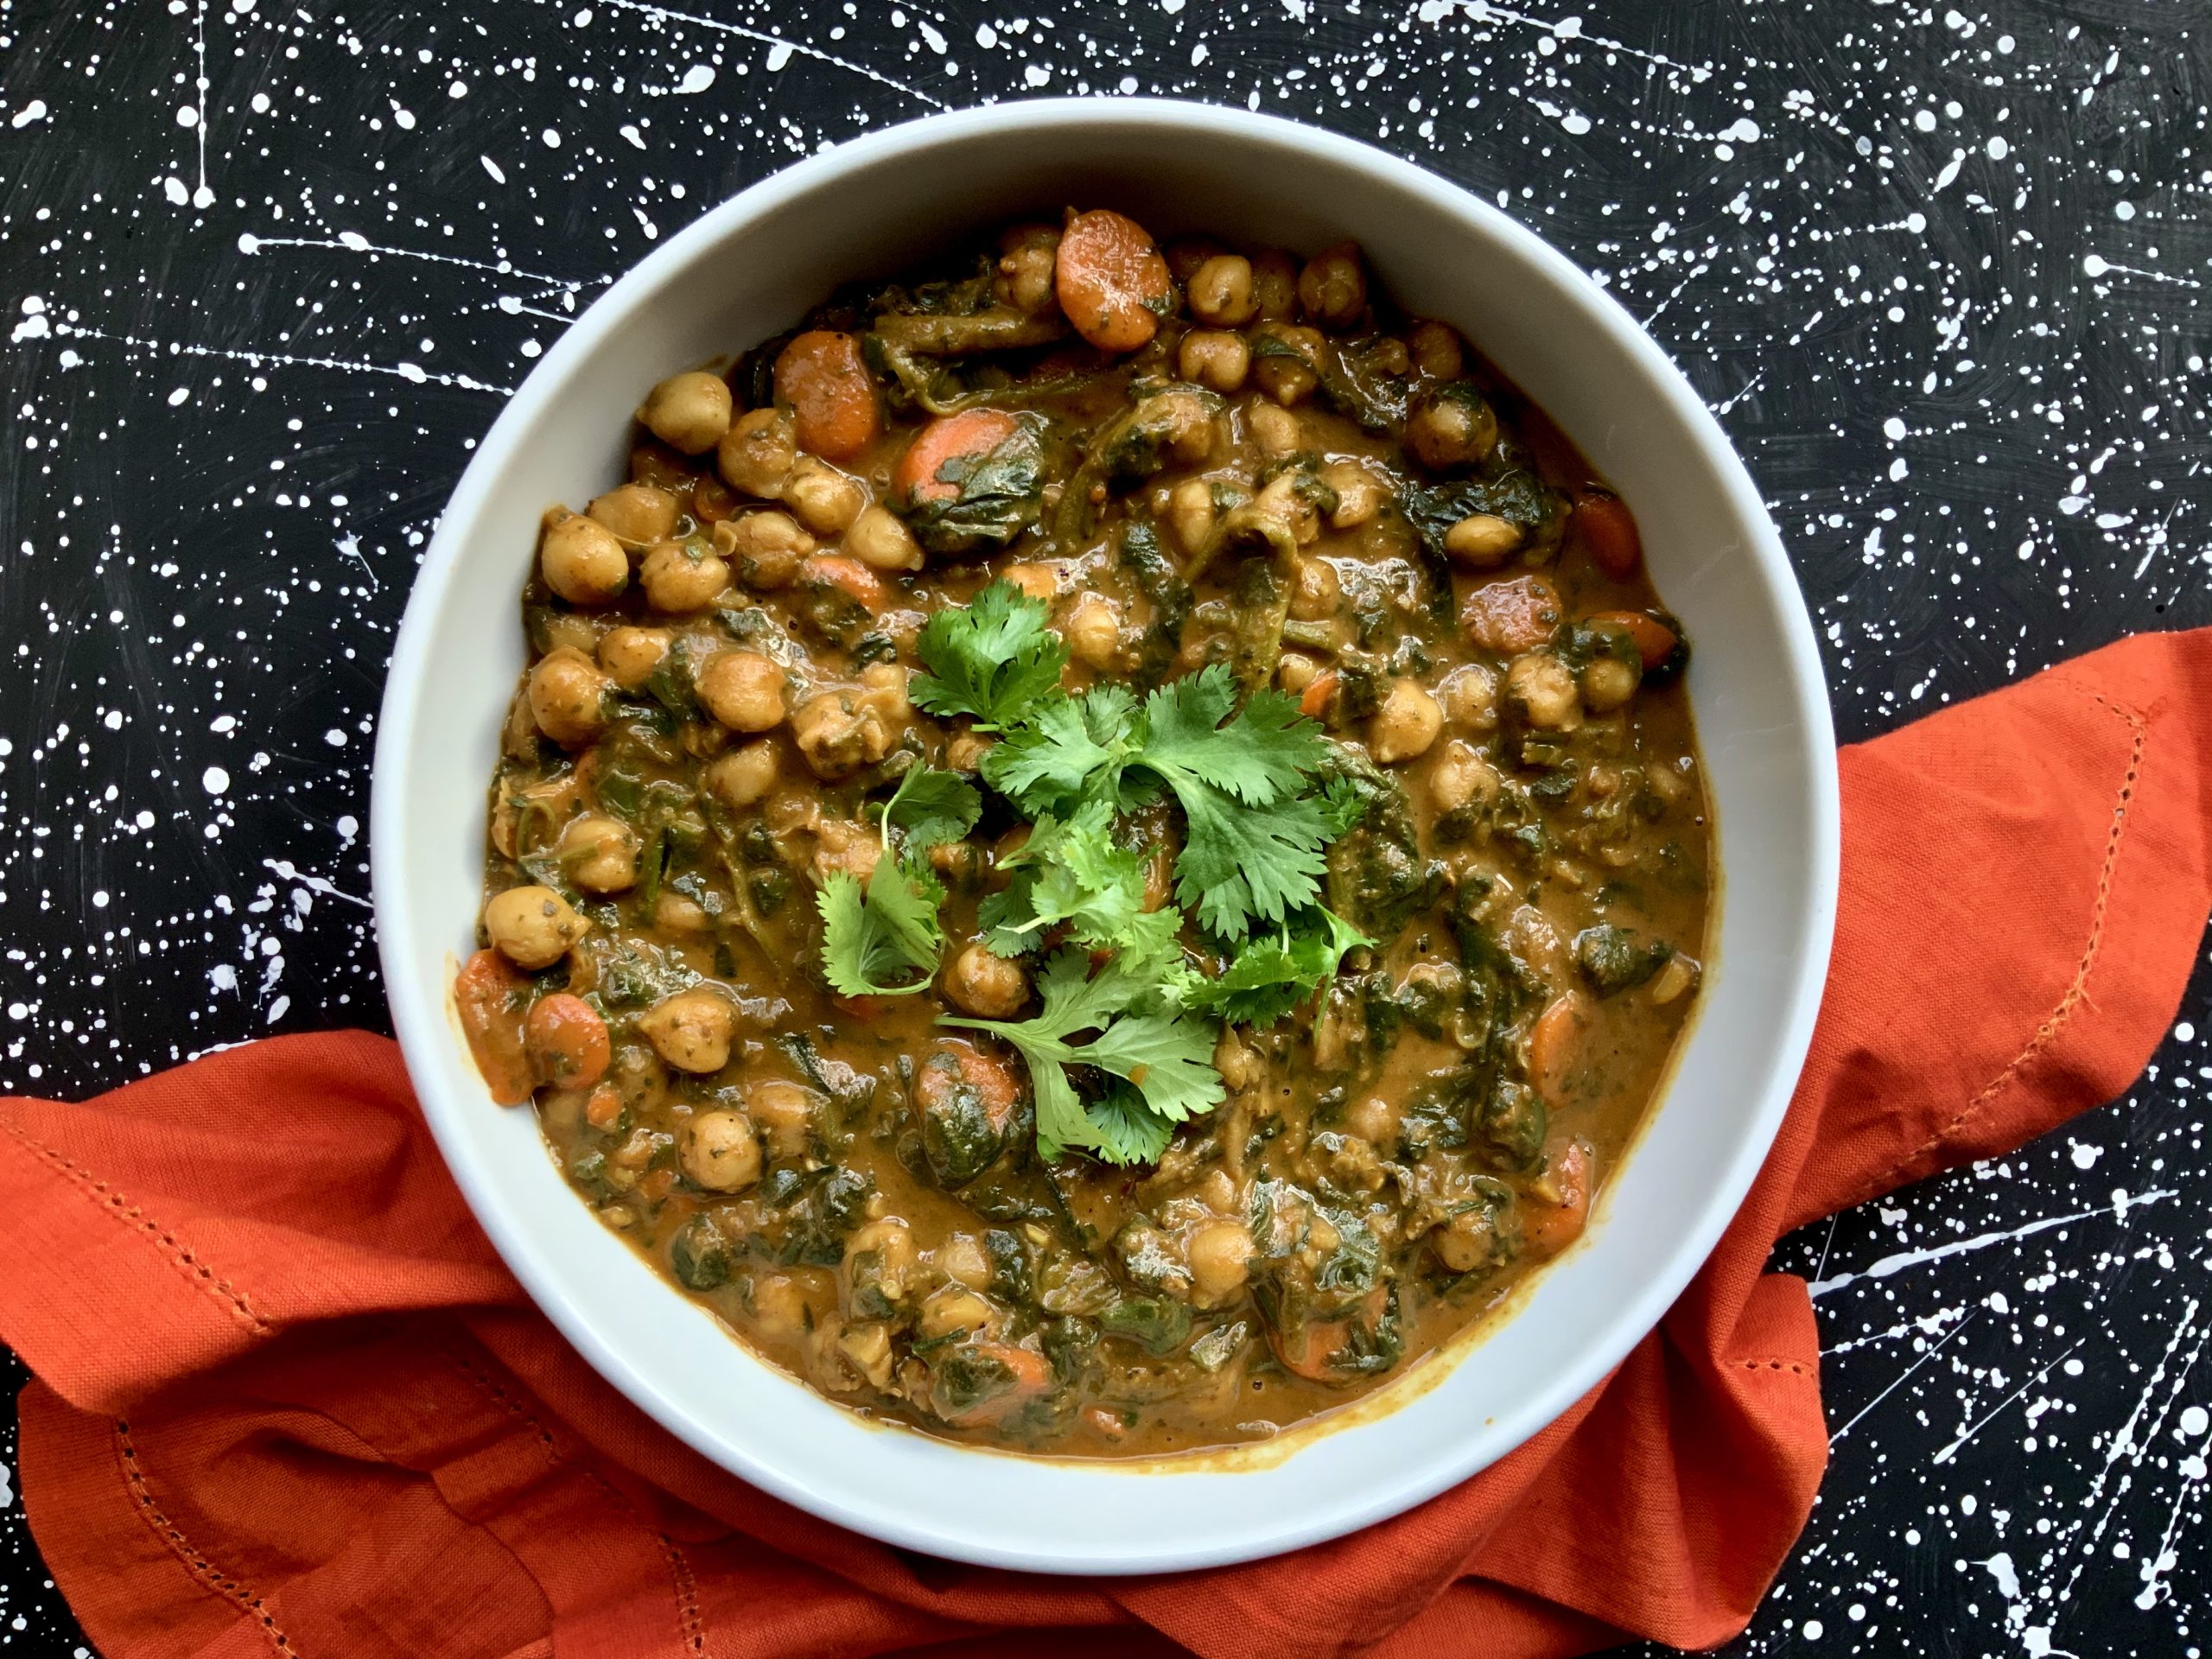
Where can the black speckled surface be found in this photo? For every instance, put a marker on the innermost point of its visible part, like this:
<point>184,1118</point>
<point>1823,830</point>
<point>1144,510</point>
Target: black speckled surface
<point>267,269</point>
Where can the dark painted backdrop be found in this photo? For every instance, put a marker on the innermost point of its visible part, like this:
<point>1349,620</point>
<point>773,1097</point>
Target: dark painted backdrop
<point>267,271</point>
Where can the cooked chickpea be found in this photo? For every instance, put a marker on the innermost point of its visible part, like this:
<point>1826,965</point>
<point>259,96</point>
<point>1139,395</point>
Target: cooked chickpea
<point>890,1241</point>
<point>1183,421</point>
<point>1214,358</point>
<point>1462,778</point>
<point>987,986</point>
<point>743,689</point>
<point>838,732</point>
<point>1275,431</point>
<point>1482,541</point>
<point>637,513</point>
<point>1332,288</point>
<point>842,847</point>
<point>880,539</point>
<point>599,854</point>
<point>784,1112</point>
<point>764,549</point>
<point>883,691</point>
<point>677,911</point>
<point>756,454</point>
<point>1220,1254</point>
<point>689,412</point>
<point>964,752</point>
<point>691,1030</point>
<point>1466,1241</point>
<point>568,697</point>
<point>1542,688</point>
<point>1191,509</point>
<point>682,576</point>
<point>951,1311</point>
<point>1220,291</point>
<point>582,560</point>
<point>1028,256</point>
<point>1093,631</point>
<point>743,776</point>
<point>1035,580</point>
<point>779,1305</point>
<point>1285,498</point>
<point>1470,698</point>
<point>576,632</point>
<point>1405,725</point>
<point>1286,373</point>
<point>720,1152</point>
<point>631,655</point>
<point>533,927</point>
<point>1452,427</point>
<point>1434,350</point>
<point>1275,285</point>
<point>1609,683</point>
<point>1360,494</point>
<point>826,500</point>
<point>1315,590</point>
<point>1374,1119</point>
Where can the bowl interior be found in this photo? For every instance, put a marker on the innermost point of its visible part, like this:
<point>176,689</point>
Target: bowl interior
<point>749,269</point>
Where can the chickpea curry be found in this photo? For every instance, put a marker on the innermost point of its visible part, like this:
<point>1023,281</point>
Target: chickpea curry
<point>1101,847</point>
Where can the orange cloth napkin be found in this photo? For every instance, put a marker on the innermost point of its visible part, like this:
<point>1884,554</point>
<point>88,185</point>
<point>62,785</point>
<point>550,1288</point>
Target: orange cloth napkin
<point>288,1402</point>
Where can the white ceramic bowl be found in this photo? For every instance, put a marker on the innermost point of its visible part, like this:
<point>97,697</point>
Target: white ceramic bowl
<point>750,268</point>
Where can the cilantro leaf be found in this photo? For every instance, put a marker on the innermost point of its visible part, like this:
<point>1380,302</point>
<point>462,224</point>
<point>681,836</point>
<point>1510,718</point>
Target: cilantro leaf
<point>888,927</point>
<point>993,659</point>
<point>1128,1131</point>
<point>1068,871</point>
<point>1239,867</point>
<point>1065,751</point>
<point>1275,973</point>
<point>1261,756</point>
<point>931,806</point>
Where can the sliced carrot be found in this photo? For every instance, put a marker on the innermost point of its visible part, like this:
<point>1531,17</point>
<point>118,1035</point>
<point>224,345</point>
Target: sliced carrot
<point>1512,616</point>
<point>1310,1350</point>
<point>968,435</point>
<point>1315,701</point>
<point>1552,1041</point>
<point>1608,530</point>
<point>565,1041</point>
<point>821,376</point>
<point>849,577</point>
<point>1110,280</point>
<point>1547,1229</point>
<point>1655,640</point>
<point>603,1110</point>
<point>1032,1376</point>
<point>988,1076</point>
<point>490,994</point>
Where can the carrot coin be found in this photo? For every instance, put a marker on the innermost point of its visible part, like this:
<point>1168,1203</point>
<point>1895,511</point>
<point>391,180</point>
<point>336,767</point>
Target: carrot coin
<point>490,995</point>
<point>1608,530</point>
<point>1315,701</point>
<point>1512,616</point>
<point>965,437</point>
<point>565,1041</point>
<point>1110,280</point>
<point>1550,1227</point>
<point>849,576</point>
<point>1655,640</point>
<point>821,376</point>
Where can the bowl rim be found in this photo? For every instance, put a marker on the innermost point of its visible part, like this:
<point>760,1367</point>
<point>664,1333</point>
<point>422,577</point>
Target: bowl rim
<point>420,1018</point>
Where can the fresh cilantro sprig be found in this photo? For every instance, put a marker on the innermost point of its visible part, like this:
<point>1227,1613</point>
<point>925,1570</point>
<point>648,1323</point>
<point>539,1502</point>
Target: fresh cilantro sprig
<point>994,659</point>
<point>1121,1022</point>
<point>1275,973</point>
<point>874,935</point>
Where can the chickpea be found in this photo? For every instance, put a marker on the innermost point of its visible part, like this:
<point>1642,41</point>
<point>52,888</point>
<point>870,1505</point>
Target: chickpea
<point>1284,500</point>
<point>1332,288</point>
<point>691,1030</point>
<point>1466,1241</point>
<point>1220,1254</point>
<point>1028,256</point>
<point>1436,351</point>
<point>568,697</point>
<point>1220,291</point>
<point>1405,725</point>
<point>631,655</point>
<point>844,847</point>
<point>779,1305</point>
<point>682,576</point>
<point>764,548</point>
<point>1315,590</point>
<point>1190,509</point>
<point>784,1112</point>
<point>1542,688</point>
<point>1482,541</point>
<point>1275,285</point>
<point>966,750</point>
<point>744,776</point>
<point>1452,427</point>
<point>576,632</point>
<point>987,986</point>
<point>689,412</point>
<point>677,911</point>
<point>599,854</point>
<point>880,539</point>
<point>756,454</point>
<point>1288,377</point>
<point>1608,683</point>
<point>963,1259</point>
<point>581,559</point>
<point>1093,631</point>
<point>1462,778</point>
<point>883,692</point>
<point>720,1152</point>
<point>533,927</point>
<point>743,689</point>
<point>890,1241</point>
<point>953,1310</point>
<point>1360,494</point>
<point>1374,1119</point>
<point>1183,424</point>
<point>1470,698</point>
<point>1275,431</point>
<point>839,732</point>
<point>1296,671</point>
<point>637,514</point>
<point>826,500</point>
<point>1214,358</point>
<point>1035,580</point>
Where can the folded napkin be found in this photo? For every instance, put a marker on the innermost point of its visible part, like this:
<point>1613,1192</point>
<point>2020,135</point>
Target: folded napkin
<point>288,1400</point>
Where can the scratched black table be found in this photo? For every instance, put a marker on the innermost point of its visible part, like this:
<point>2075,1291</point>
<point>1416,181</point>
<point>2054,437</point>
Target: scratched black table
<point>269,270</point>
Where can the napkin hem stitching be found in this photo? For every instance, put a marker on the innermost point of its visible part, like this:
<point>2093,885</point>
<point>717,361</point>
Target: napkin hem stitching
<point>190,1556</point>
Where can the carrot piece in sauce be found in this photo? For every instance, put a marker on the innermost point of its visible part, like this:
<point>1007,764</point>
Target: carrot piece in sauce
<point>1110,280</point>
<point>849,577</point>
<point>967,436</point>
<point>1549,1228</point>
<point>492,997</point>
<point>1315,700</point>
<point>1512,616</point>
<point>1655,640</point>
<point>1554,1041</point>
<point>821,376</point>
<point>565,1041</point>
<point>1608,530</point>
